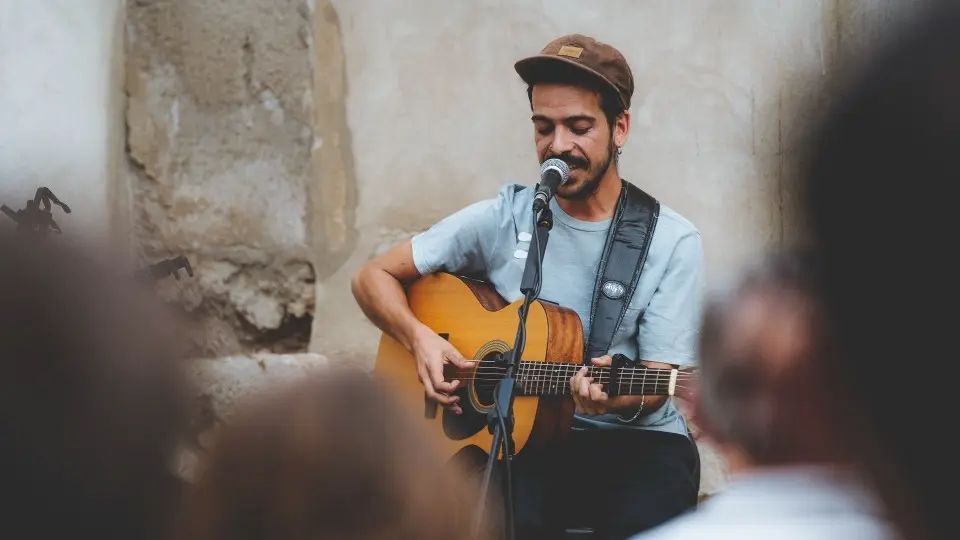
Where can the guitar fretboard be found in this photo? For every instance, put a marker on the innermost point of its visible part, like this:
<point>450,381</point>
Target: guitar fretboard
<point>553,378</point>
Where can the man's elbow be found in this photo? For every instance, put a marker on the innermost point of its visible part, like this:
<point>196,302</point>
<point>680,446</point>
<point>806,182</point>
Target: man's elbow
<point>360,279</point>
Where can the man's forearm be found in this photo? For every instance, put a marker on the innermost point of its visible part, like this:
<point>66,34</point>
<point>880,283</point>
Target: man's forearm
<point>382,299</point>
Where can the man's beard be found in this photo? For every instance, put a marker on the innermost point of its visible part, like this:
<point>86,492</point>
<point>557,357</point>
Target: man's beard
<point>592,183</point>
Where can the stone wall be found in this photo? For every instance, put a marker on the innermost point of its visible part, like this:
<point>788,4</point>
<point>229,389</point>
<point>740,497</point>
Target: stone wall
<point>239,158</point>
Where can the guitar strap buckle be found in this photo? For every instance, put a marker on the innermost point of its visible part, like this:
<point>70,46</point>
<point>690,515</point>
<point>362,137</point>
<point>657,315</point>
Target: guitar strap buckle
<point>624,254</point>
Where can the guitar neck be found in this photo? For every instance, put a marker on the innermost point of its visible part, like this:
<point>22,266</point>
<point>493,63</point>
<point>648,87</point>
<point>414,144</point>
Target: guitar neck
<point>553,379</point>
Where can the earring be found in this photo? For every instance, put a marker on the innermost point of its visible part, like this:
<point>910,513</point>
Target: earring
<point>619,150</point>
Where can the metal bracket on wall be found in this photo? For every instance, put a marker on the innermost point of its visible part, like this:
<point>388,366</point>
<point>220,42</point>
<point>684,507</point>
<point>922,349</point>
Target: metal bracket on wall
<point>36,218</point>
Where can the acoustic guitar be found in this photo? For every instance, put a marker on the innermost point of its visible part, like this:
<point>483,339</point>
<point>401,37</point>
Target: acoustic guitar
<point>482,326</point>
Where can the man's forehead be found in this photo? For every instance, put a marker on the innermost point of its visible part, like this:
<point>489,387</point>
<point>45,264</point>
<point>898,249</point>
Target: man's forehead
<point>564,95</point>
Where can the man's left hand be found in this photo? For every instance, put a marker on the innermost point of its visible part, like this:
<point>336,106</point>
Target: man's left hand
<point>591,400</point>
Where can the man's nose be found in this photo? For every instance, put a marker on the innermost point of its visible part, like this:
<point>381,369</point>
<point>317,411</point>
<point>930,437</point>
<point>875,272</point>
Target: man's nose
<point>562,142</point>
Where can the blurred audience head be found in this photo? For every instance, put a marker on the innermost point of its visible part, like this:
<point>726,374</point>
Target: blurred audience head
<point>91,397</point>
<point>880,162</point>
<point>330,456</point>
<point>765,395</point>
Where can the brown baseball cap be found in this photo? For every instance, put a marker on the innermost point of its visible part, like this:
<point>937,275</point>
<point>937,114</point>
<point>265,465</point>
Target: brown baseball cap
<point>586,53</point>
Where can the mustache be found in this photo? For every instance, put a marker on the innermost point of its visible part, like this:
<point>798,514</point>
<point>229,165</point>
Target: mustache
<point>570,160</point>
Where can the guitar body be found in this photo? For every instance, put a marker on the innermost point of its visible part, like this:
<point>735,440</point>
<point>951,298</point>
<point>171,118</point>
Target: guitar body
<point>482,325</point>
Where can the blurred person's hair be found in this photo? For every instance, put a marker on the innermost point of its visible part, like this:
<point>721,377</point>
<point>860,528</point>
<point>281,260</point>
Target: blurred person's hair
<point>878,167</point>
<point>329,456</point>
<point>92,399</point>
<point>764,354</point>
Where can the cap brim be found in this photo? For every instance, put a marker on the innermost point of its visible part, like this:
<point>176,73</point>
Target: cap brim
<point>529,68</point>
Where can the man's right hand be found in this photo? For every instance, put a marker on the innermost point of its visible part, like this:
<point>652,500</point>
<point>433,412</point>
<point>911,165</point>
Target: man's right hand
<point>432,353</point>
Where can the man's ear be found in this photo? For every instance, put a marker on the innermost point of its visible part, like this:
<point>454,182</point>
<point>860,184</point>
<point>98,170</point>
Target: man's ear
<point>621,128</point>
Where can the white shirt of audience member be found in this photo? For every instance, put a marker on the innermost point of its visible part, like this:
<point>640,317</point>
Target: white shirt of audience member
<point>782,504</point>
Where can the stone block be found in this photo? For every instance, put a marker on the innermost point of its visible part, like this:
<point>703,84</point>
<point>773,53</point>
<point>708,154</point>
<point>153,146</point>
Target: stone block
<point>239,158</point>
<point>224,382</point>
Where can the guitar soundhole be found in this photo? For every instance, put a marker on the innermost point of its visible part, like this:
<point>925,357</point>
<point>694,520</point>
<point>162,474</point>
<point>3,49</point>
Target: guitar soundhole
<point>489,373</point>
<point>476,396</point>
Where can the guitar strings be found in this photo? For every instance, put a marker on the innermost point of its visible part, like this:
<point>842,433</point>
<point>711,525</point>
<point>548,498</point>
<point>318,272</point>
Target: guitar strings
<point>553,374</point>
<point>596,380</point>
<point>569,366</point>
<point>529,372</point>
<point>528,382</point>
<point>575,368</point>
<point>564,389</point>
<point>487,364</point>
<point>488,386</point>
<point>546,377</point>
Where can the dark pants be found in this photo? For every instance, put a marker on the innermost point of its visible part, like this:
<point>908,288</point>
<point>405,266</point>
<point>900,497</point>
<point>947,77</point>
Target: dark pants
<point>617,483</point>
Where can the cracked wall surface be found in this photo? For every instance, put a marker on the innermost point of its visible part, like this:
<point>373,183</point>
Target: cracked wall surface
<point>239,157</point>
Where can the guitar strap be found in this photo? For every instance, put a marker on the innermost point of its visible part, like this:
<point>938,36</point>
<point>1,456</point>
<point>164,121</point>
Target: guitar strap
<point>621,263</point>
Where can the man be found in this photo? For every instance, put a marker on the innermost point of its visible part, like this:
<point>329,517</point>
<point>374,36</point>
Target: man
<point>768,401</point>
<point>630,463</point>
<point>887,141</point>
<point>94,401</point>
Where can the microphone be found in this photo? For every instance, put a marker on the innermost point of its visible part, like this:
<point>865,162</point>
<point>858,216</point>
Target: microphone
<point>553,173</point>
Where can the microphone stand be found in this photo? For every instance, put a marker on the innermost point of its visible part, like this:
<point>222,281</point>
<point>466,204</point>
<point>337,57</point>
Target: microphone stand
<point>500,416</point>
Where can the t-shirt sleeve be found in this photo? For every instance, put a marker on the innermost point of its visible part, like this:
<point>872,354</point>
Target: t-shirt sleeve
<point>461,243</point>
<point>669,328</point>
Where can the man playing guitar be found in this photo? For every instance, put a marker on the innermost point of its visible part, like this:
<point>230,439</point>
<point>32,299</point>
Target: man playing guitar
<point>630,462</point>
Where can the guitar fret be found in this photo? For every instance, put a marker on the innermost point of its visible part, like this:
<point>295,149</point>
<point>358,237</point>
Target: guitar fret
<point>539,385</point>
<point>520,378</point>
<point>545,378</point>
<point>531,379</point>
<point>552,376</point>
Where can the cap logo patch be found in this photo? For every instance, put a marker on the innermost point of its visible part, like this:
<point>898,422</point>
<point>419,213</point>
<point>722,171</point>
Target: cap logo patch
<point>570,50</point>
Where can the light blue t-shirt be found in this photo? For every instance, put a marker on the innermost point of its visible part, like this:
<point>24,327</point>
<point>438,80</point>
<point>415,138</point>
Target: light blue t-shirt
<point>662,322</point>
